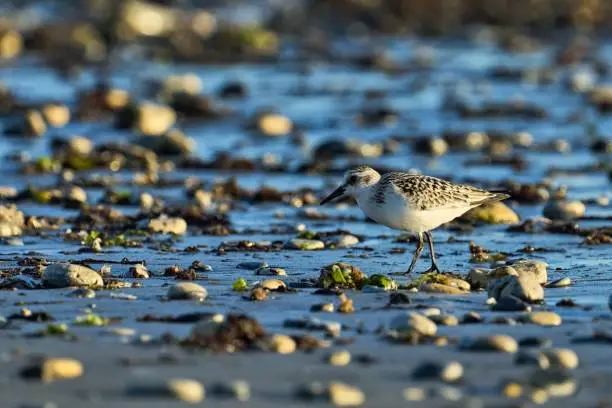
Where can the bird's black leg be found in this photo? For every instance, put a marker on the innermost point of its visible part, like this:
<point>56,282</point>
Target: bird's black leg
<point>434,265</point>
<point>416,254</point>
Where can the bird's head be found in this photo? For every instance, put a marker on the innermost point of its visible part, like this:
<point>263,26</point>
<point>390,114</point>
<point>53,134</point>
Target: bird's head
<point>355,180</point>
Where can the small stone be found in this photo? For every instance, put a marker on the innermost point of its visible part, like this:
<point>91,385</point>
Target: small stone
<point>557,383</point>
<point>543,318</point>
<point>511,304</point>
<point>186,291</point>
<point>273,124</point>
<point>512,389</point>
<point>182,389</point>
<point>83,293</point>
<point>564,209</point>
<point>282,344</point>
<point>346,305</point>
<point>153,119</point>
<point>208,326</point>
<point>532,358</point>
<point>323,307</point>
<point>448,393</point>
<point>532,267</point>
<point>344,395</point>
<point>560,283</point>
<point>445,320</point>
<point>540,342</point>
<point>166,225</point>
<point>138,271</point>
<point>269,271</point>
<point>498,342</point>
<point>254,265</point>
<point>57,115</point>
<point>65,275</point>
<point>430,312</point>
<point>346,241</point>
<point>399,298</point>
<point>412,322</point>
<point>414,394</point>
<point>339,358</point>
<point>52,369</point>
<point>305,244</point>
<point>493,213</point>
<point>273,284</point>
<point>447,372</point>
<point>237,389</point>
<point>440,288</point>
<point>538,396</point>
<point>562,357</point>
<point>472,318</point>
<point>258,294</point>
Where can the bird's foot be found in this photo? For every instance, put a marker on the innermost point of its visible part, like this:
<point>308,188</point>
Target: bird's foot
<point>433,269</point>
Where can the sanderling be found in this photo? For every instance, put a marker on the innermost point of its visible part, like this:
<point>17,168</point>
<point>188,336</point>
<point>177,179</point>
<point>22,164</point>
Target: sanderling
<point>410,202</point>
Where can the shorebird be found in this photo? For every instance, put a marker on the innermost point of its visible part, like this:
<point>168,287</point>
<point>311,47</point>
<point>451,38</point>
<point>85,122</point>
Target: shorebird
<point>409,202</point>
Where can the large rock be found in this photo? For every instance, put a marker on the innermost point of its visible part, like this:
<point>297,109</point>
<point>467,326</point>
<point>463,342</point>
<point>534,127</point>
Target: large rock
<point>492,213</point>
<point>65,275</point>
<point>524,287</point>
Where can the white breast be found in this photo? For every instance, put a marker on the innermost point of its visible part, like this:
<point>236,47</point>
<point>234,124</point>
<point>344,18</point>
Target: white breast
<point>397,213</point>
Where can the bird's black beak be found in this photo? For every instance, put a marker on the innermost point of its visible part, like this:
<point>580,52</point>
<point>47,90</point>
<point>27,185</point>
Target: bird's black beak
<point>339,192</point>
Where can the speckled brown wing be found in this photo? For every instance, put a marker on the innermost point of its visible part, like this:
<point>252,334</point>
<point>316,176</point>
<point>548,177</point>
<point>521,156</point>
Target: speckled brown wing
<point>426,192</point>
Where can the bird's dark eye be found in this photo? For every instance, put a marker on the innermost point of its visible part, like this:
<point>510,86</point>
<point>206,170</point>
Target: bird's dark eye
<point>353,180</point>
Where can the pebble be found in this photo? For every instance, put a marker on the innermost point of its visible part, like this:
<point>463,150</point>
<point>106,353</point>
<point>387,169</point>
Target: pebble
<point>236,389</point>
<point>560,283</point>
<point>323,307</point>
<point>208,326</point>
<point>430,312</point>
<point>496,342</point>
<point>305,244</point>
<point>138,271</point>
<point>154,119</point>
<point>512,389</point>
<point>346,241</point>
<point>339,358</point>
<point>283,344</point>
<point>187,290</point>
<point>556,383</point>
<point>532,358</point>
<point>511,304</point>
<point>445,320</point>
<point>564,209</point>
<point>273,124</point>
<point>52,369</point>
<point>344,395</point>
<point>414,394</point>
<point>272,284</point>
<point>448,372</point>
<point>493,213</point>
<point>562,357</point>
<point>183,389</point>
<point>258,294</point>
<point>167,225</point>
<point>524,287</point>
<point>448,393</point>
<point>412,322</point>
<point>83,293</point>
<point>541,342</point>
<point>401,298</point>
<point>472,318</point>
<point>251,265</point>
<point>63,275</point>
<point>543,318</point>
<point>269,271</point>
